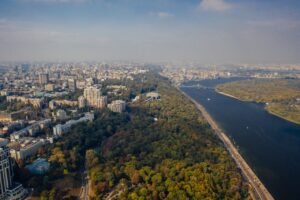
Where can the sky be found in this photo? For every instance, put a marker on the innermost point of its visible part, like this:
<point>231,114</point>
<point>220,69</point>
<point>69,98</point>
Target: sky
<point>206,31</point>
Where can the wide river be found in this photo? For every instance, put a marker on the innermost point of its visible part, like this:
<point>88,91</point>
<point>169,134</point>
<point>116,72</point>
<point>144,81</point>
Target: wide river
<point>270,145</point>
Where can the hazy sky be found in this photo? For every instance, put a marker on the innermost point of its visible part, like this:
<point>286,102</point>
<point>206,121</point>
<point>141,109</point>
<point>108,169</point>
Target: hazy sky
<point>209,31</point>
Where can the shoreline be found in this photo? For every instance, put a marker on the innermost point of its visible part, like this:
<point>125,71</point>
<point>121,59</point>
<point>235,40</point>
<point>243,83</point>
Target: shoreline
<point>265,108</point>
<point>277,115</point>
<point>228,95</point>
<point>257,189</point>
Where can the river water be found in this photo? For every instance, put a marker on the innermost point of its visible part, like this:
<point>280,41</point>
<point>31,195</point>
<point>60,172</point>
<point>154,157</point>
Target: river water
<point>270,145</point>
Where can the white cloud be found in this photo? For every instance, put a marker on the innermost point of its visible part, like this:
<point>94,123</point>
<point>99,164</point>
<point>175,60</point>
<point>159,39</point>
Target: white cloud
<point>215,5</point>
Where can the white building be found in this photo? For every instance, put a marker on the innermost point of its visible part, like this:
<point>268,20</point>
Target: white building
<point>59,129</point>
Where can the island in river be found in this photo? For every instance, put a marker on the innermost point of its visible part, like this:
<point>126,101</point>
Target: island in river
<point>281,96</point>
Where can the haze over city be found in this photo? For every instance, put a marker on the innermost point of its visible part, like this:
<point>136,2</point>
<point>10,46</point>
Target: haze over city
<point>209,31</point>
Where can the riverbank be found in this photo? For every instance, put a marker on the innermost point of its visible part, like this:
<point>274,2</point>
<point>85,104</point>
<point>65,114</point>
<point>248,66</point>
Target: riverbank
<point>281,117</point>
<point>259,191</point>
<point>265,107</point>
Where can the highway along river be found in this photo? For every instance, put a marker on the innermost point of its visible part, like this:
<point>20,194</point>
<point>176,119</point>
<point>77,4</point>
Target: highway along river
<point>270,145</point>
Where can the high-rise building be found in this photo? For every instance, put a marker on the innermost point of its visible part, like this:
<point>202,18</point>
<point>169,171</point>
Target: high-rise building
<point>72,84</point>
<point>81,102</point>
<point>102,102</point>
<point>43,79</point>
<point>117,106</point>
<point>92,94</point>
<point>8,189</point>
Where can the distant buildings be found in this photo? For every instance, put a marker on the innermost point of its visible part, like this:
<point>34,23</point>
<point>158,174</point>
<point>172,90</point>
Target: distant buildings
<point>43,78</point>
<point>72,84</point>
<point>117,106</point>
<point>49,87</point>
<point>36,102</point>
<point>54,103</point>
<point>8,189</point>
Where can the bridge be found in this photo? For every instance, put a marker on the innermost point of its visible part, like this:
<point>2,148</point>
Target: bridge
<point>196,86</point>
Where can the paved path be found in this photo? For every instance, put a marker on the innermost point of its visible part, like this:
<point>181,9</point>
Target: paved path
<point>85,187</point>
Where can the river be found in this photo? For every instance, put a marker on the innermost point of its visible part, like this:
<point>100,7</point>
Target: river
<point>269,144</point>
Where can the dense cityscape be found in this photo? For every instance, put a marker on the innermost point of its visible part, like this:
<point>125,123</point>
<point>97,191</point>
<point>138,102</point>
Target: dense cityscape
<point>40,103</point>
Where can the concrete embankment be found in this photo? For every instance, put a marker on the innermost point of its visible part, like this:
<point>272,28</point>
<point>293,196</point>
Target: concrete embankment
<point>258,190</point>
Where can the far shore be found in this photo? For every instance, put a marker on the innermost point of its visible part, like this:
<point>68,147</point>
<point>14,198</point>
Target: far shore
<point>272,113</point>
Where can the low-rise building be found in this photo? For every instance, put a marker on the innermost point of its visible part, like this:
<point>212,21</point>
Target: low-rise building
<point>54,103</point>
<point>30,130</point>
<point>59,129</point>
<point>25,147</point>
<point>36,102</point>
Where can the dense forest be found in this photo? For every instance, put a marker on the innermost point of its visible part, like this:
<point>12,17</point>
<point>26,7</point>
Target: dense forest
<point>162,149</point>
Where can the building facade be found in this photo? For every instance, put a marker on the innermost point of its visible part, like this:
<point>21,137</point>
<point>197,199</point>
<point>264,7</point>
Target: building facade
<point>92,94</point>
<point>43,79</point>
<point>8,189</point>
<point>102,102</point>
<point>117,106</point>
<point>81,102</point>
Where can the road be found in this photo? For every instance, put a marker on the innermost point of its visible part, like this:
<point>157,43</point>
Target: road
<point>85,187</point>
<point>258,190</point>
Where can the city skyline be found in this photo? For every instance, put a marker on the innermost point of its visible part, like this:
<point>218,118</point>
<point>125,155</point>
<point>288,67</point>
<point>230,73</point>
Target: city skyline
<point>209,31</point>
